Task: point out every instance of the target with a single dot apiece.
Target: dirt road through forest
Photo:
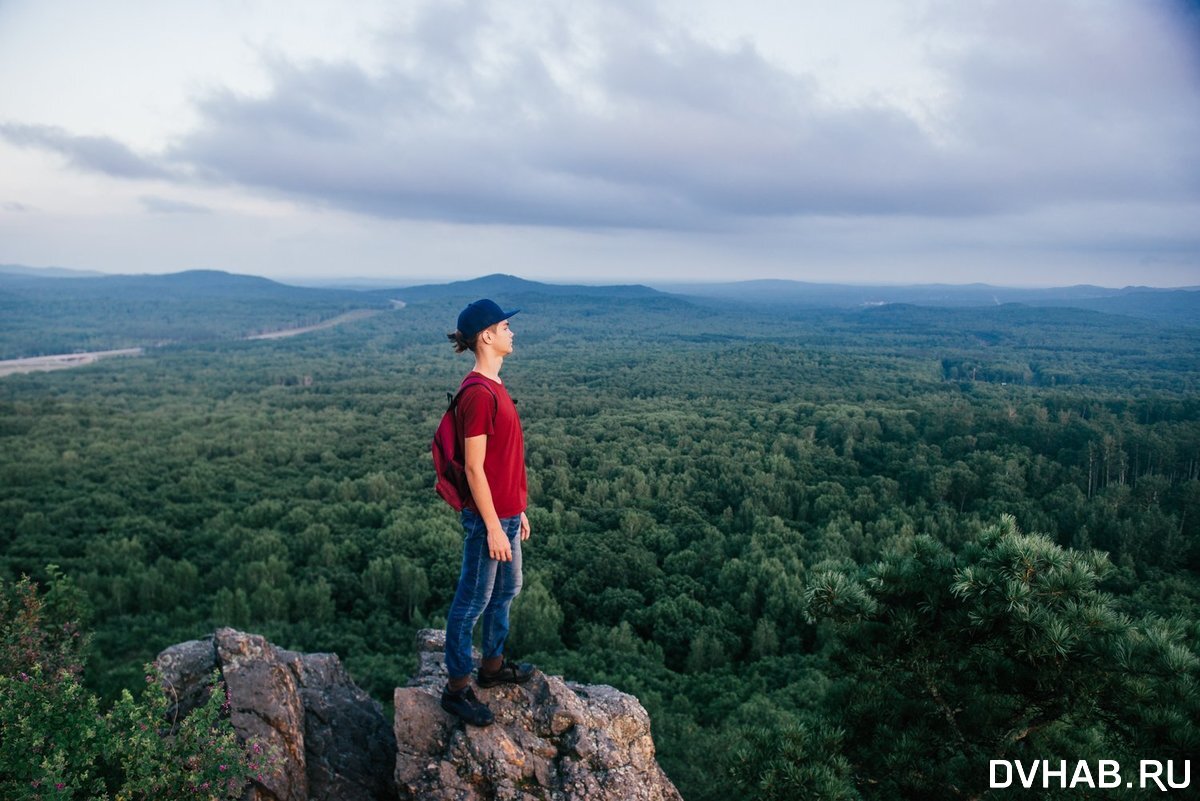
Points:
(62, 361)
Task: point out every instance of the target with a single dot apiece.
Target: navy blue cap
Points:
(479, 315)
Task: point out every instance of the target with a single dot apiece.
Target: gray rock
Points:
(331, 740)
(349, 747)
(552, 740)
(265, 707)
(186, 669)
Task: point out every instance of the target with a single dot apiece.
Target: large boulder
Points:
(552, 740)
(331, 741)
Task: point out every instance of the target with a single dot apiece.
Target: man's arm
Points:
(481, 492)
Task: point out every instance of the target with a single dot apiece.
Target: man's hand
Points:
(524, 527)
(498, 547)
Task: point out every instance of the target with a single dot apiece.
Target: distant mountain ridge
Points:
(219, 280)
(1175, 306)
(165, 285)
(778, 289)
(787, 291)
(499, 283)
(1180, 306)
(47, 272)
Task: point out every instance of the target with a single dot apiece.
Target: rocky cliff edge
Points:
(552, 740)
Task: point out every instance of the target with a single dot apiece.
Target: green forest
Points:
(836, 553)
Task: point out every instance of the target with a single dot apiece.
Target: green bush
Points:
(55, 743)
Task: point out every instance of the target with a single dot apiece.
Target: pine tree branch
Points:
(924, 671)
(1039, 720)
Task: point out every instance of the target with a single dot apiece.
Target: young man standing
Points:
(493, 518)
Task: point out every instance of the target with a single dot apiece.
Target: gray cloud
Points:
(734, 135)
(689, 135)
(163, 205)
(1057, 102)
(16, 207)
(619, 119)
(93, 153)
(1053, 103)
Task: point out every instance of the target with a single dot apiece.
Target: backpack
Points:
(448, 462)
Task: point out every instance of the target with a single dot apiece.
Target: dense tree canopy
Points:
(888, 544)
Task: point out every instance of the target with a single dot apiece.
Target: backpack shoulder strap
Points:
(471, 381)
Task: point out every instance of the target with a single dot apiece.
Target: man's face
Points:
(501, 336)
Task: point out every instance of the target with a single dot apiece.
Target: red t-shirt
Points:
(504, 462)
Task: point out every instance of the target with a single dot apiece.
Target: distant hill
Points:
(1180, 306)
(558, 312)
(185, 285)
(42, 315)
(499, 284)
(46, 272)
(1174, 306)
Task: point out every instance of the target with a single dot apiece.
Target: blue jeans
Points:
(485, 587)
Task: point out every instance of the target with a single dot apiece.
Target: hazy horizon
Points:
(381, 282)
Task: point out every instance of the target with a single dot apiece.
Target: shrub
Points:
(55, 743)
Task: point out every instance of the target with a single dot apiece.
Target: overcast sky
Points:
(1015, 142)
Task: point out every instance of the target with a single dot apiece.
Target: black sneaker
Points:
(466, 707)
(509, 673)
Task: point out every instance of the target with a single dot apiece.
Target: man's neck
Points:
(489, 364)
